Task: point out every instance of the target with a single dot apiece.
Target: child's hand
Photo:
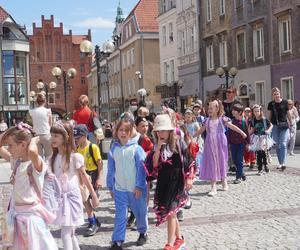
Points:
(95, 200)
(244, 135)
(99, 183)
(137, 193)
(32, 147)
(188, 184)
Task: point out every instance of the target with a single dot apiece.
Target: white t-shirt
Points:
(40, 120)
(76, 162)
(23, 192)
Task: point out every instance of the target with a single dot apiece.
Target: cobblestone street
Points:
(261, 213)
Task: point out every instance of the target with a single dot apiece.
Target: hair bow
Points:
(25, 127)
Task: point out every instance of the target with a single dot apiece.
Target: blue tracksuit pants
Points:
(123, 201)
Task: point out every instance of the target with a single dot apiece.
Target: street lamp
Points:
(224, 72)
(107, 48)
(45, 87)
(66, 74)
(32, 98)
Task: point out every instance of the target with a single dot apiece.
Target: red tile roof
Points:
(146, 12)
(3, 14)
(77, 39)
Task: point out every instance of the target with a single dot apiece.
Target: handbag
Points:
(96, 126)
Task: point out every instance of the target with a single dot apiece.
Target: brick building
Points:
(50, 47)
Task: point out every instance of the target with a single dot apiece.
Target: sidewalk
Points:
(261, 213)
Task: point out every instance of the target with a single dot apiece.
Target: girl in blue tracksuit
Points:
(126, 180)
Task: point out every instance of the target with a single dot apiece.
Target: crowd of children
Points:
(171, 150)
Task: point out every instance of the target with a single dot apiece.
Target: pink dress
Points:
(70, 210)
(215, 153)
(27, 216)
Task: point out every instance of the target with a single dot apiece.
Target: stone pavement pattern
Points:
(261, 213)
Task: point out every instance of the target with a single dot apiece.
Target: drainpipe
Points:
(142, 61)
(1, 72)
(201, 83)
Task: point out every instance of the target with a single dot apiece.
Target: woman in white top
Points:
(292, 126)
(41, 121)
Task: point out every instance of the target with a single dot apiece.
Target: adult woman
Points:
(84, 115)
(279, 116)
(293, 126)
(42, 121)
(230, 101)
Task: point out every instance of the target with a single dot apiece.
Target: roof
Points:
(146, 12)
(77, 39)
(3, 14)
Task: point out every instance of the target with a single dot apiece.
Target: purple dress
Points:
(215, 154)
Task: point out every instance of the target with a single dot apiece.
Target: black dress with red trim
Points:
(170, 194)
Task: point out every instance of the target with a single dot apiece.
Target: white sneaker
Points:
(212, 193)
(279, 166)
(291, 154)
(260, 173)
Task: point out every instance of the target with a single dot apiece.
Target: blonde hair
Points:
(219, 106)
(17, 134)
(256, 106)
(83, 100)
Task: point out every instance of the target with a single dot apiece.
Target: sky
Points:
(77, 15)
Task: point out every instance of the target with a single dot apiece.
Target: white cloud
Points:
(95, 22)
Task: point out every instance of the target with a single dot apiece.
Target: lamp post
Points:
(45, 87)
(225, 73)
(32, 98)
(66, 75)
(107, 48)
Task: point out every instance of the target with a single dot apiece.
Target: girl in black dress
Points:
(173, 166)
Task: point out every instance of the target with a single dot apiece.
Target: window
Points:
(209, 57)
(8, 61)
(127, 31)
(171, 38)
(239, 4)
(20, 64)
(132, 56)
(51, 98)
(208, 10)
(128, 59)
(164, 5)
(82, 68)
(241, 48)
(223, 52)
(172, 71)
(183, 44)
(192, 42)
(258, 44)
(222, 7)
(130, 31)
(285, 36)
(129, 87)
(287, 88)
(260, 93)
(124, 61)
(166, 68)
(164, 35)
(82, 80)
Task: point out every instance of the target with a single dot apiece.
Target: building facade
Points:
(285, 47)
(168, 87)
(49, 48)
(14, 69)
(135, 62)
(189, 71)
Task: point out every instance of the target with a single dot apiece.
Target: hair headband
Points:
(24, 127)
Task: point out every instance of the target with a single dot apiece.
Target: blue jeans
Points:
(280, 136)
(237, 153)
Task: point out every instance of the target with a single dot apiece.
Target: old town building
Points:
(50, 47)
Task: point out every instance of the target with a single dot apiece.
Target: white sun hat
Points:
(162, 122)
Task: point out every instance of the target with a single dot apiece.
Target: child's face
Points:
(256, 112)
(163, 135)
(17, 150)
(247, 113)
(80, 141)
(196, 110)
(188, 117)
(236, 114)
(143, 127)
(57, 140)
(124, 134)
(213, 109)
